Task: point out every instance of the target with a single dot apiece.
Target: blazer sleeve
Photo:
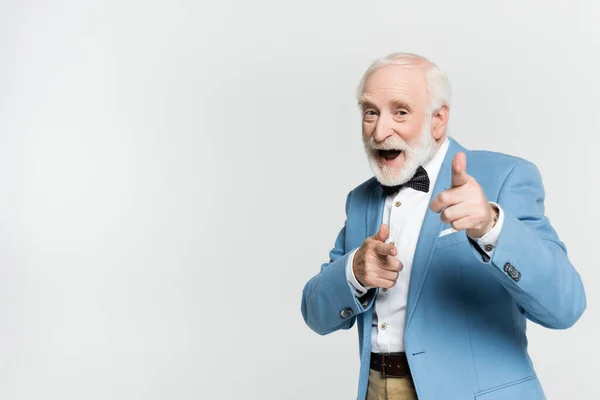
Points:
(530, 260)
(328, 302)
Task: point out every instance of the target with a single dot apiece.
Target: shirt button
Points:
(489, 247)
(398, 204)
(383, 326)
(384, 289)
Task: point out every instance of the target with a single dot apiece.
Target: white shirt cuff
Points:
(357, 288)
(488, 241)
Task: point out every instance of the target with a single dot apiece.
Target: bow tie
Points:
(419, 181)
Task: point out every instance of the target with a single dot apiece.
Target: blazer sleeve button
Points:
(346, 312)
(515, 275)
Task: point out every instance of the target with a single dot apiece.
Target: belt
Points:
(390, 364)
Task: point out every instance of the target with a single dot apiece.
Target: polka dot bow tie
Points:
(419, 181)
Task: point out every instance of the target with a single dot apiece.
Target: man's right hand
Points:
(375, 264)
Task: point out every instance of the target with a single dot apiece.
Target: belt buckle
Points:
(383, 366)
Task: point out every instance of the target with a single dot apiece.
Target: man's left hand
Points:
(466, 207)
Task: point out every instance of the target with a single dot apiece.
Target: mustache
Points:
(392, 143)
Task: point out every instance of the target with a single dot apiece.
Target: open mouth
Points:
(389, 155)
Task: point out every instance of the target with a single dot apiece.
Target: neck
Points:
(439, 141)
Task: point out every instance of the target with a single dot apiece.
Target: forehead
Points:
(397, 82)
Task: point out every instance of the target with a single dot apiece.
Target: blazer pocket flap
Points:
(528, 388)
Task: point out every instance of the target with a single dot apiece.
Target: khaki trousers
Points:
(384, 388)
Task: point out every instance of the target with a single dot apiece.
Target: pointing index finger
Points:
(385, 249)
(459, 169)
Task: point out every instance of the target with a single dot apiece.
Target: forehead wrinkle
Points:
(398, 98)
(387, 88)
(395, 90)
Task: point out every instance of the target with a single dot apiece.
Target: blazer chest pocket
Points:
(448, 237)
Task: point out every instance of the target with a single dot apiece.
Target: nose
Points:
(383, 129)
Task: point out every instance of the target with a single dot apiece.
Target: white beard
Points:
(413, 157)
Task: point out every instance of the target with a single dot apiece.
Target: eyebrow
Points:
(364, 102)
(401, 104)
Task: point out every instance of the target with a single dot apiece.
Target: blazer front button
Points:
(346, 312)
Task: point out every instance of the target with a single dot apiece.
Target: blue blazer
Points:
(466, 316)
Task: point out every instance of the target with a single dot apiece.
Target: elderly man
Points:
(444, 254)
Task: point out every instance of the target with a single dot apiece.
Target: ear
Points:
(439, 122)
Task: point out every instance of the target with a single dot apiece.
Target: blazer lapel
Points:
(430, 231)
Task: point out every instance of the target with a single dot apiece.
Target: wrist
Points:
(495, 216)
(356, 263)
(494, 213)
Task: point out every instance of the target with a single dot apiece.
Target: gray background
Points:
(173, 172)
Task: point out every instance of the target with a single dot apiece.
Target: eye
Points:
(369, 114)
(401, 112)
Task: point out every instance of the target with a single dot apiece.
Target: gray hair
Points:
(439, 90)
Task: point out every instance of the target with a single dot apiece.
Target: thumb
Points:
(383, 234)
(459, 169)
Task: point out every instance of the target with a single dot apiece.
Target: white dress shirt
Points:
(404, 213)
